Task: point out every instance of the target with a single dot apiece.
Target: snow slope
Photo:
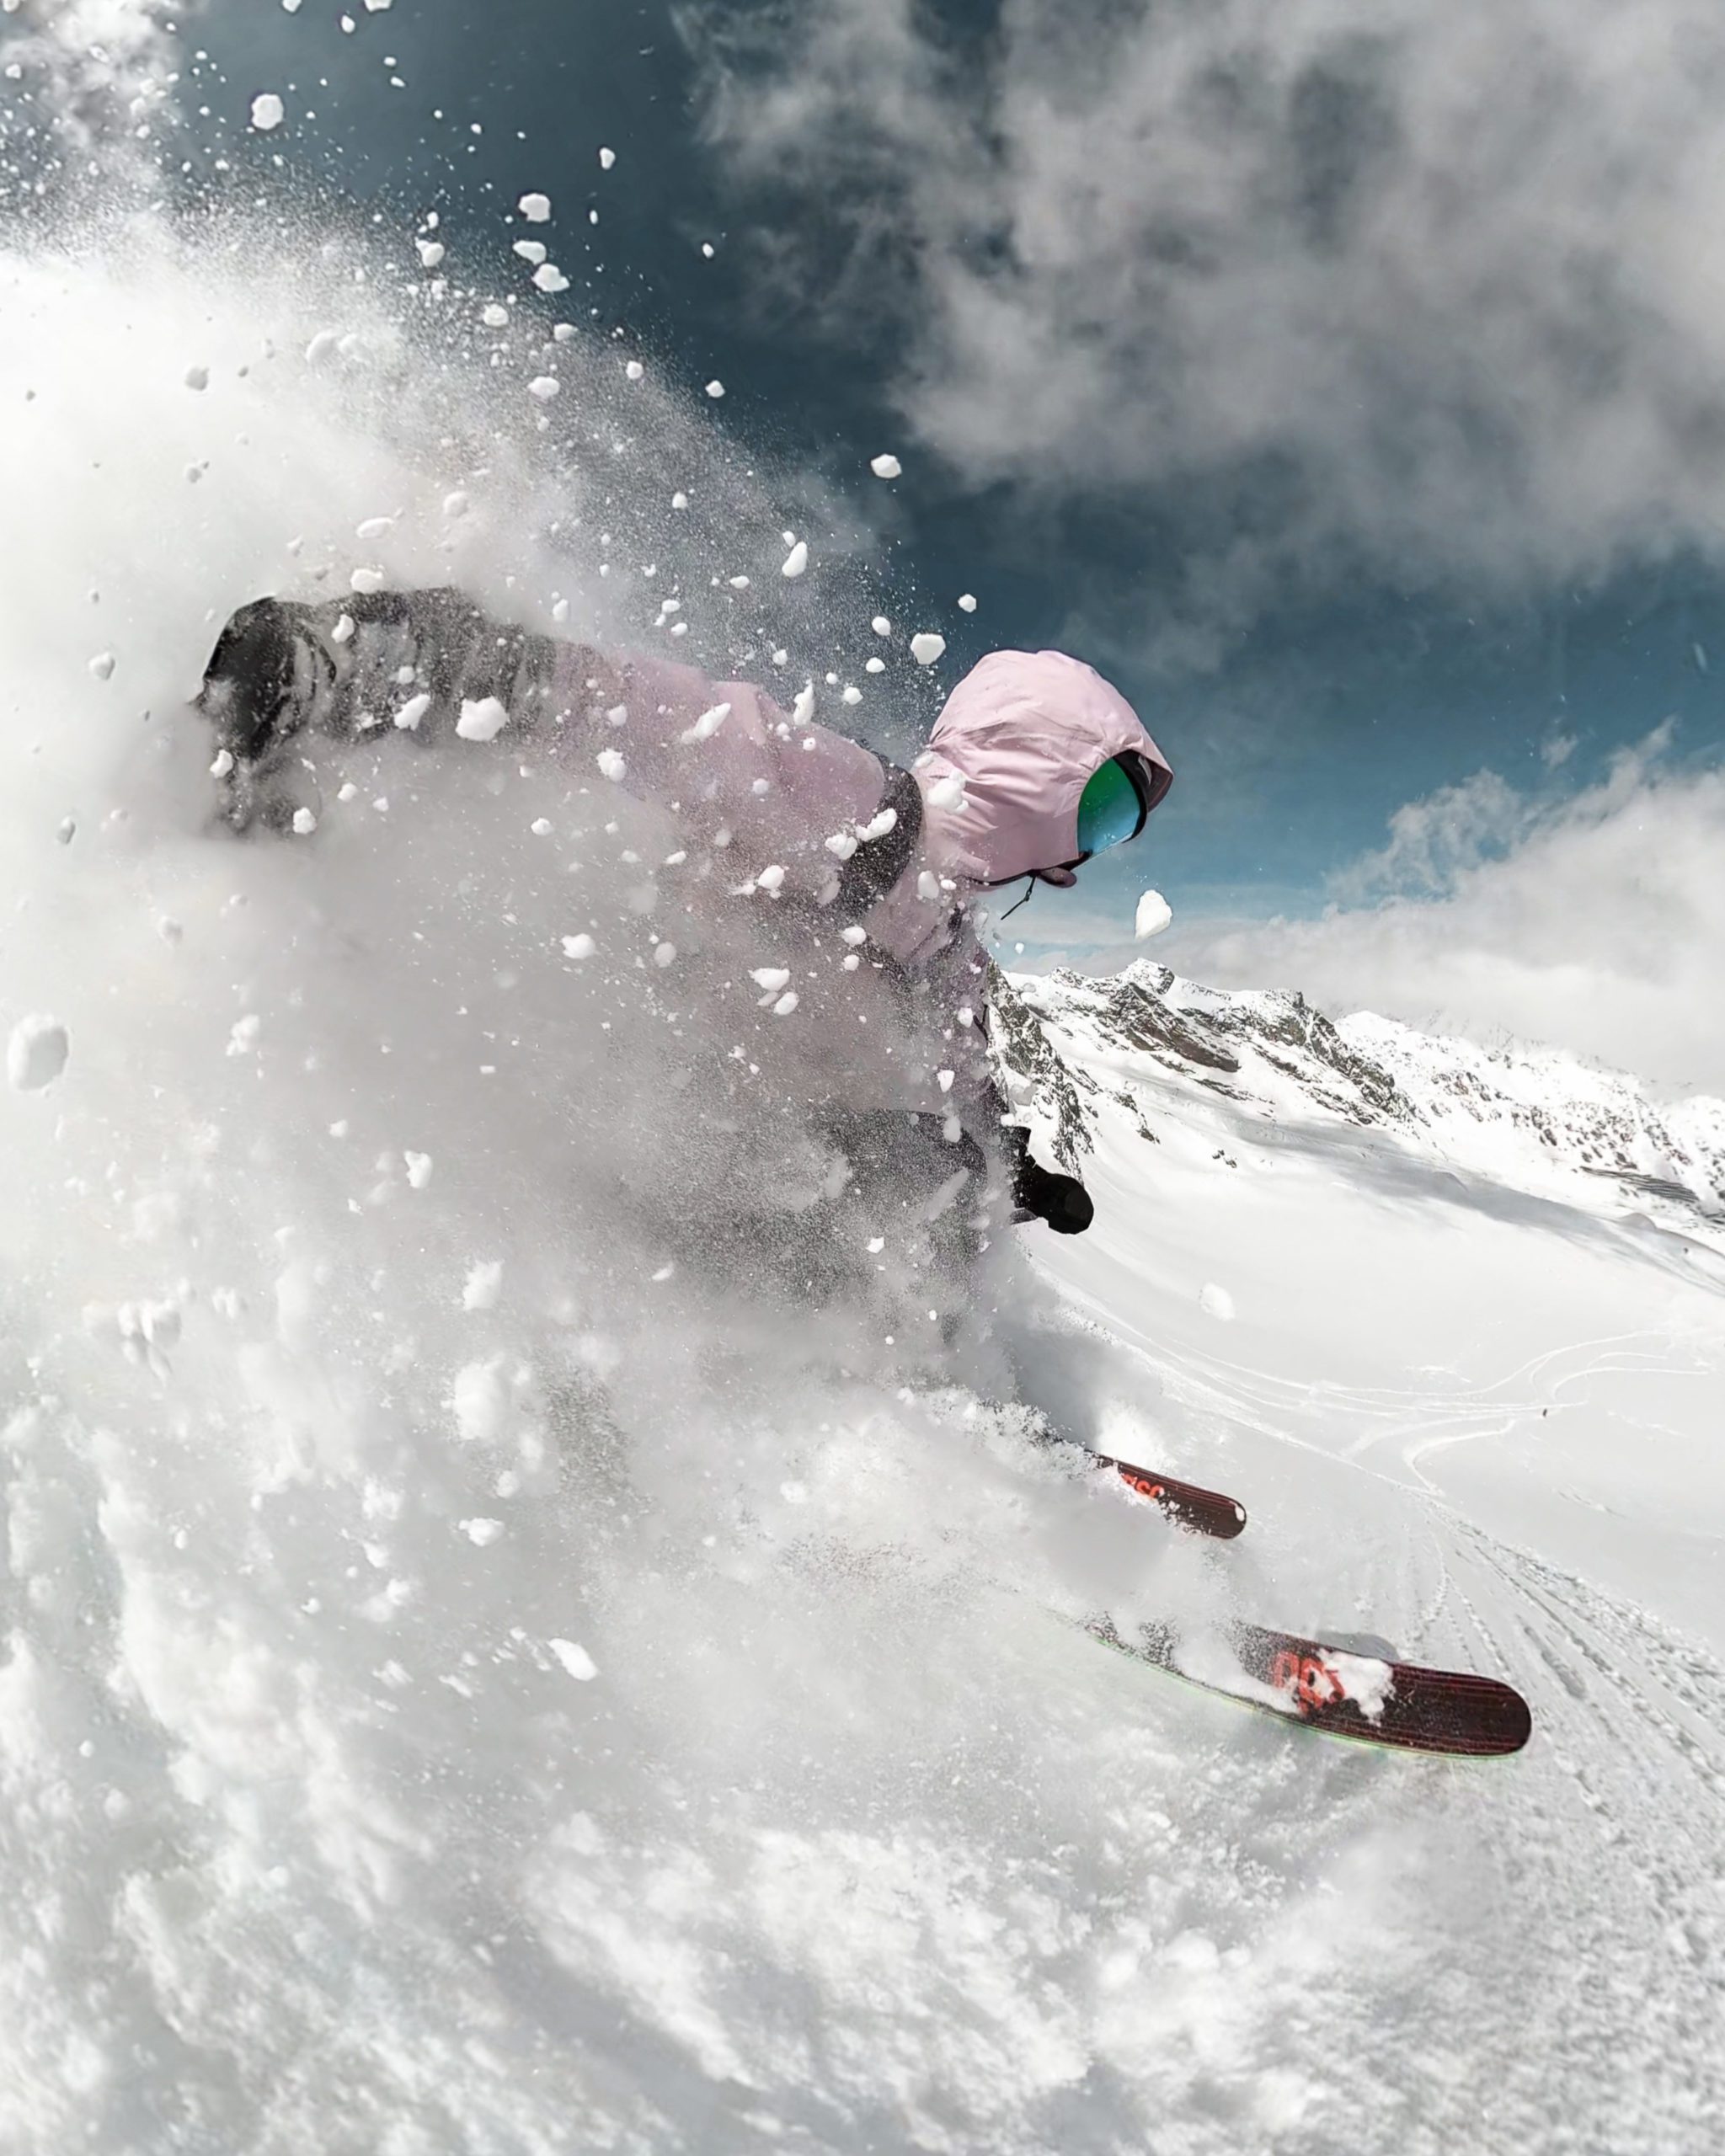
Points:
(1477, 1412)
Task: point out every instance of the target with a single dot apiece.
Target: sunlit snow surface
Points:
(484, 1670)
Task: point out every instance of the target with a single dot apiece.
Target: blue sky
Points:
(1339, 379)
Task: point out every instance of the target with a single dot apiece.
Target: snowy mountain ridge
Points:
(1523, 1116)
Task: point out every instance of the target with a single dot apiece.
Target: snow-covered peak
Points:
(1520, 1115)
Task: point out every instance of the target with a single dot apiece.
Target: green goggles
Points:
(1113, 806)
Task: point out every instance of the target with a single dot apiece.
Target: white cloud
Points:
(1436, 290)
(1596, 923)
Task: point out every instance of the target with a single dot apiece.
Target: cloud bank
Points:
(1433, 294)
(1595, 923)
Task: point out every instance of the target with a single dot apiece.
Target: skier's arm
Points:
(960, 975)
(738, 772)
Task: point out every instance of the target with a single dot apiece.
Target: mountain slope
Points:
(1470, 1390)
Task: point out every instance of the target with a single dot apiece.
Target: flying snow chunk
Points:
(483, 720)
(197, 377)
(715, 388)
(946, 792)
(268, 111)
(1215, 1301)
(495, 316)
(482, 1533)
(431, 252)
(664, 955)
(786, 1004)
(771, 877)
(881, 626)
(707, 724)
(579, 1664)
(926, 648)
(367, 581)
(418, 1167)
(484, 1285)
(886, 466)
(876, 827)
(374, 527)
(578, 947)
(796, 561)
(531, 250)
(36, 1050)
(610, 766)
(772, 978)
(550, 279)
(967, 602)
(607, 158)
(480, 1402)
(411, 711)
(535, 208)
(103, 665)
(545, 386)
(1153, 916)
(634, 370)
(304, 822)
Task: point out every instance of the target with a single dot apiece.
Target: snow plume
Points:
(482, 1642)
(1433, 291)
(1594, 921)
(95, 79)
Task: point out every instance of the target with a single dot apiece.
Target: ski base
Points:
(1318, 1686)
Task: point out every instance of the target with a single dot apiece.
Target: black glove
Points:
(1060, 1200)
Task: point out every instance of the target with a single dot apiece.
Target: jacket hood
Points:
(1025, 731)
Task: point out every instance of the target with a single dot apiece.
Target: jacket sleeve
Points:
(787, 799)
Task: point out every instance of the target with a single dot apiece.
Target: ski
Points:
(1205, 1512)
(1327, 1688)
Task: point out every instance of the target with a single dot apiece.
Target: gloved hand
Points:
(1041, 1193)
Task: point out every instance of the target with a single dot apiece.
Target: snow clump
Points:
(483, 720)
(1153, 916)
(35, 1053)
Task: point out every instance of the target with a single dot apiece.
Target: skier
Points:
(1035, 766)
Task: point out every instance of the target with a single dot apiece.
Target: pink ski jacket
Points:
(993, 797)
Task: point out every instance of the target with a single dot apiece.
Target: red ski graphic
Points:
(1206, 1511)
(1331, 1688)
